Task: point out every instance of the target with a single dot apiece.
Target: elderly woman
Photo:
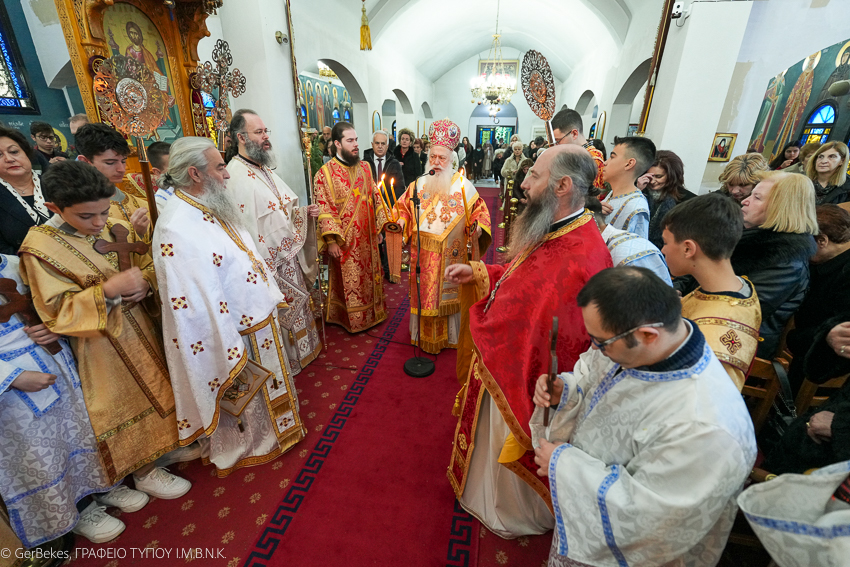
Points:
(820, 343)
(774, 250)
(741, 175)
(21, 202)
(828, 171)
(513, 161)
(664, 187)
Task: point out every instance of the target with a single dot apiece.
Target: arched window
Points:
(394, 130)
(348, 116)
(16, 97)
(336, 115)
(819, 124)
(304, 115)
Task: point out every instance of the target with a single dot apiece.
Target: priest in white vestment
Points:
(220, 308)
(803, 520)
(283, 233)
(649, 441)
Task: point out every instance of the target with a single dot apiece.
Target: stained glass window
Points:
(348, 116)
(336, 115)
(819, 125)
(16, 96)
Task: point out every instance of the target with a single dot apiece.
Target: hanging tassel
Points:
(365, 33)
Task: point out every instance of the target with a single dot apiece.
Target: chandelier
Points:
(325, 71)
(494, 86)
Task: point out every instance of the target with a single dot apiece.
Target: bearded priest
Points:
(220, 308)
(454, 228)
(350, 223)
(556, 248)
(283, 232)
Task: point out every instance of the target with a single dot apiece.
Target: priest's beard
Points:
(440, 182)
(533, 224)
(260, 155)
(220, 202)
(348, 157)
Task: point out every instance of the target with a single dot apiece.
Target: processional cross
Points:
(19, 304)
(217, 75)
(121, 247)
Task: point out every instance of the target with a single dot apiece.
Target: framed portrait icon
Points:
(721, 148)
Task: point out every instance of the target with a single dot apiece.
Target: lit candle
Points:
(463, 193)
(382, 189)
(392, 190)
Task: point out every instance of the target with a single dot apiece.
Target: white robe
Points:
(653, 464)
(629, 249)
(48, 451)
(286, 238)
(631, 213)
(220, 305)
(798, 521)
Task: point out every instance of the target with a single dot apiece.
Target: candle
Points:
(382, 189)
(392, 189)
(463, 193)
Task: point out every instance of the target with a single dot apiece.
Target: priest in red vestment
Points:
(350, 223)
(556, 248)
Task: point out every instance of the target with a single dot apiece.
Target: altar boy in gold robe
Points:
(453, 220)
(104, 312)
(699, 238)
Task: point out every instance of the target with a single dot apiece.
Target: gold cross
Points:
(357, 191)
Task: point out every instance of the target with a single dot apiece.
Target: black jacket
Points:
(15, 222)
(392, 169)
(777, 263)
(835, 194)
(411, 166)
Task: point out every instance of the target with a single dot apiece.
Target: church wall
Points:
(806, 27)
(49, 40)
(52, 105)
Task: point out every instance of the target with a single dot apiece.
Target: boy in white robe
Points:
(626, 207)
(48, 459)
(649, 441)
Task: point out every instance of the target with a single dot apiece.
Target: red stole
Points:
(510, 340)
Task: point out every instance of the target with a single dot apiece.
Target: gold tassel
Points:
(365, 33)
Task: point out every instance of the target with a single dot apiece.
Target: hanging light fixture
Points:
(494, 86)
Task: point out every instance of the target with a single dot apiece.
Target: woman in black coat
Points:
(775, 248)
(411, 165)
(664, 188)
(21, 202)
(828, 171)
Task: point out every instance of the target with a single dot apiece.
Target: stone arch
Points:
(359, 108)
(426, 110)
(621, 111)
(406, 107)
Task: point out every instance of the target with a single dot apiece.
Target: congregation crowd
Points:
(633, 446)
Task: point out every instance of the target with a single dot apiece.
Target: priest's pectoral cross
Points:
(121, 247)
(18, 304)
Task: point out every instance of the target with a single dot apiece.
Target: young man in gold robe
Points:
(105, 313)
(453, 223)
(350, 223)
(699, 238)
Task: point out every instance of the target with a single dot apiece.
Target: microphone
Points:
(415, 197)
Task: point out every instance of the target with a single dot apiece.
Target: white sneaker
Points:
(181, 455)
(97, 526)
(123, 498)
(162, 484)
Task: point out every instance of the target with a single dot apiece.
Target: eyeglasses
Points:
(45, 138)
(435, 158)
(267, 132)
(602, 344)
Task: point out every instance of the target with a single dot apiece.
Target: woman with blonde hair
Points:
(828, 171)
(778, 239)
(741, 175)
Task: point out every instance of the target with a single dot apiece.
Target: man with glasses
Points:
(446, 233)
(45, 146)
(567, 128)
(283, 232)
(556, 248)
(649, 442)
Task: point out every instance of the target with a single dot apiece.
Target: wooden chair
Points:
(813, 395)
(762, 384)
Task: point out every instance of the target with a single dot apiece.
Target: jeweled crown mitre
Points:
(444, 133)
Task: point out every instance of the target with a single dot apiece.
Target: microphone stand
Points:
(418, 366)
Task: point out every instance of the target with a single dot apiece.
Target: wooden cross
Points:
(21, 305)
(121, 247)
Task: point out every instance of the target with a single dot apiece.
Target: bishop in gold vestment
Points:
(352, 217)
(122, 369)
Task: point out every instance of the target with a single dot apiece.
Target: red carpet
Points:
(366, 487)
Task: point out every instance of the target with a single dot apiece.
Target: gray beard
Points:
(533, 224)
(258, 155)
(220, 202)
(440, 182)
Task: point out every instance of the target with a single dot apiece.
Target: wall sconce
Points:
(281, 37)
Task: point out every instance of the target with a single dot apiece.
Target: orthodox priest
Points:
(283, 233)
(454, 227)
(350, 223)
(220, 320)
(557, 249)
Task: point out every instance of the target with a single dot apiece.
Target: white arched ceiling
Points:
(564, 31)
(426, 110)
(406, 107)
(355, 91)
(633, 84)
